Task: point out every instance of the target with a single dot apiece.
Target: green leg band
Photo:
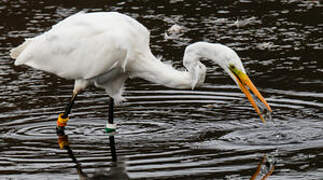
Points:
(110, 128)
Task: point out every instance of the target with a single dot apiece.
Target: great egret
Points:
(105, 48)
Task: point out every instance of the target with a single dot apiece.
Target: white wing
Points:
(85, 45)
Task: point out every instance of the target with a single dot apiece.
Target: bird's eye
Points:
(232, 66)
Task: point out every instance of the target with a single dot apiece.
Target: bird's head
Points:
(229, 60)
(231, 63)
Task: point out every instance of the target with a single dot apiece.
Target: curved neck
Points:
(212, 51)
(193, 54)
(151, 69)
(218, 53)
(148, 67)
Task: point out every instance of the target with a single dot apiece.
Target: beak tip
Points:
(244, 83)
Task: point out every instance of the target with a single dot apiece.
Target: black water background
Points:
(210, 133)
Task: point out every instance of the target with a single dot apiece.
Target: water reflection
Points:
(264, 169)
(117, 171)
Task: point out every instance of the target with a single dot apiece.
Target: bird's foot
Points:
(61, 123)
(111, 128)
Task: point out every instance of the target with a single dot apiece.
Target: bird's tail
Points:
(15, 52)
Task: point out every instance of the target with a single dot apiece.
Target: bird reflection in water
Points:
(264, 169)
(117, 171)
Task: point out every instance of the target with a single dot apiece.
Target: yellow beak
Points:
(245, 83)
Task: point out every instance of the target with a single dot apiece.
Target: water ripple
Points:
(211, 132)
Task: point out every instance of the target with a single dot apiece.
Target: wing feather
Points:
(84, 45)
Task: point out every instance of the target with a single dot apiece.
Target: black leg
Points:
(111, 138)
(110, 126)
(60, 128)
(69, 106)
(111, 106)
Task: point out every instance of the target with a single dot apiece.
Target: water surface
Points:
(209, 133)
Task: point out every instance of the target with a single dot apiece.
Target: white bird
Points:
(106, 48)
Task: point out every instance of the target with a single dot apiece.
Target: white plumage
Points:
(105, 48)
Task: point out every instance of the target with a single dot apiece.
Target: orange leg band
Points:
(62, 121)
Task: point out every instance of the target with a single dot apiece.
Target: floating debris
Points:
(175, 29)
(174, 32)
(241, 23)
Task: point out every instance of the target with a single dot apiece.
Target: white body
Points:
(106, 48)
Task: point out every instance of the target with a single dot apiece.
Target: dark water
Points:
(209, 133)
